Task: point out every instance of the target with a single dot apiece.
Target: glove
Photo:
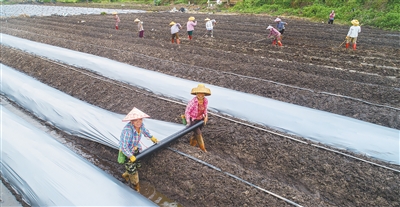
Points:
(155, 141)
(132, 159)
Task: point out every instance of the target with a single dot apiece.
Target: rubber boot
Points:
(347, 45)
(178, 41)
(172, 40)
(190, 37)
(279, 43)
(193, 141)
(125, 175)
(274, 42)
(354, 46)
(116, 27)
(201, 142)
(137, 187)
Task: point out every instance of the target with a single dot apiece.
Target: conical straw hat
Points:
(135, 114)
(355, 22)
(207, 19)
(191, 18)
(172, 23)
(201, 89)
(136, 20)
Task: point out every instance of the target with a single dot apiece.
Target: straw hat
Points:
(114, 13)
(277, 20)
(191, 18)
(269, 27)
(207, 19)
(201, 89)
(355, 22)
(136, 20)
(135, 114)
(172, 23)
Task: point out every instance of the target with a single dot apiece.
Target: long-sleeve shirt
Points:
(210, 24)
(175, 28)
(353, 31)
(274, 32)
(281, 25)
(192, 109)
(190, 25)
(130, 138)
(117, 20)
(332, 15)
(140, 26)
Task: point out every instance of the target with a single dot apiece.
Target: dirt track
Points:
(310, 63)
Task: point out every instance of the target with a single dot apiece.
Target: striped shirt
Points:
(130, 138)
(192, 109)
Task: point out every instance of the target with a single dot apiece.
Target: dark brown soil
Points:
(310, 70)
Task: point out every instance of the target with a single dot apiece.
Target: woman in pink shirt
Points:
(117, 20)
(331, 17)
(190, 27)
(196, 110)
(275, 34)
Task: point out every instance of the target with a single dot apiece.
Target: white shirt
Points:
(175, 28)
(209, 24)
(353, 31)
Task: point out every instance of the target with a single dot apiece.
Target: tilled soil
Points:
(310, 70)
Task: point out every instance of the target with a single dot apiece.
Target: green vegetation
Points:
(384, 14)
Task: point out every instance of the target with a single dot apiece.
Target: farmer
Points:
(353, 34)
(130, 144)
(140, 27)
(190, 26)
(175, 27)
(117, 20)
(331, 17)
(280, 25)
(275, 34)
(210, 26)
(196, 110)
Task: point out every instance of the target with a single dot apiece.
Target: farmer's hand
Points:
(188, 123)
(347, 37)
(132, 159)
(205, 120)
(155, 141)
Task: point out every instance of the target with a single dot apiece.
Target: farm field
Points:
(310, 70)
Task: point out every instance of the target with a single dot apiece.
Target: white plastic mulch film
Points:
(331, 129)
(47, 173)
(73, 115)
(40, 10)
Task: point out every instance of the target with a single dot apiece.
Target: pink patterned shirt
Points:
(192, 109)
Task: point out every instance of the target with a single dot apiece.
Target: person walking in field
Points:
(130, 144)
(196, 110)
(353, 34)
(275, 34)
(280, 25)
(190, 27)
(117, 20)
(210, 26)
(331, 17)
(175, 27)
(140, 27)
